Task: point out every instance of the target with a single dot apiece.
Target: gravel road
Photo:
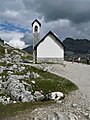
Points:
(77, 73)
(75, 106)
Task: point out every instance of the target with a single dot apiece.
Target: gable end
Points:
(46, 36)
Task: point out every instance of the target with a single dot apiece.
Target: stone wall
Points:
(50, 60)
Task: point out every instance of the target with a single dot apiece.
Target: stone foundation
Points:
(50, 60)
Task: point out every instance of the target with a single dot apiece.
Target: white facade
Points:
(50, 48)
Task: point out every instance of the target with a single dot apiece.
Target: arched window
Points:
(36, 29)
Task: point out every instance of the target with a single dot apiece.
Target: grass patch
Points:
(28, 57)
(17, 108)
(48, 82)
(2, 50)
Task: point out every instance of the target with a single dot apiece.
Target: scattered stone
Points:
(1, 70)
(0, 77)
(17, 90)
(14, 66)
(0, 86)
(10, 72)
(89, 116)
(34, 75)
(14, 102)
(72, 116)
(74, 105)
(17, 76)
(4, 100)
(27, 97)
(59, 101)
(22, 68)
(28, 87)
(38, 96)
(56, 95)
(33, 81)
(56, 116)
(85, 114)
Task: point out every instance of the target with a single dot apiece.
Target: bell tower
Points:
(36, 25)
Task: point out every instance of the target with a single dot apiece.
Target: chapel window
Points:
(36, 29)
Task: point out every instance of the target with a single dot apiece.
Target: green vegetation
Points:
(2, 50)
(17, 108)
(47, 82)
(28, 57)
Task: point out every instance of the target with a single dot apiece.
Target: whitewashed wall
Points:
(49, 48)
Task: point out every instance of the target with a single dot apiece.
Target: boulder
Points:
(33, 82)
(17, 90)
(56, 116)
(56, 95)
(14, 66)
(5, 100)
(10, 72)
(34, 75)
(28, 87)
(72, 116)
(1, 70)
(21, 68)
(38, 96)
(0, 86)
(27, 97)
(17, 76)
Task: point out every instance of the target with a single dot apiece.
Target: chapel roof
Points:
(50, 32)
(37, 22)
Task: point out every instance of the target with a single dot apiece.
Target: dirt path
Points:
(77, 73)
(75, 106)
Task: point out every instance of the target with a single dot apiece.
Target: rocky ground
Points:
(74, 107)
(77, 73)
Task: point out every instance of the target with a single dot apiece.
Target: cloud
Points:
(63, 17)
(27, 38)
(13, 38)
(17, 43)
(77, 11)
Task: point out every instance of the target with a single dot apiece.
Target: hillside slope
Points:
(28, 49)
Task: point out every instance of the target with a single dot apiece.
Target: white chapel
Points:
(49, 49)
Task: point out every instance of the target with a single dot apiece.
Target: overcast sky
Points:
(66, 18)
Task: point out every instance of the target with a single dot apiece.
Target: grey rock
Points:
(56, 116)
(0, 86)
(17, 76)
(14, 66)
(17, 90)
(74, 105)
(28, 87)
(56, 95)
(22, 68)
(27, 97)
(1, 70)
(34, 75)
(4, 100)
(10, 72)
(38, 96)
(86, 114)
(0, 77)
(33, 82)
(89, 116)
(72, 117)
